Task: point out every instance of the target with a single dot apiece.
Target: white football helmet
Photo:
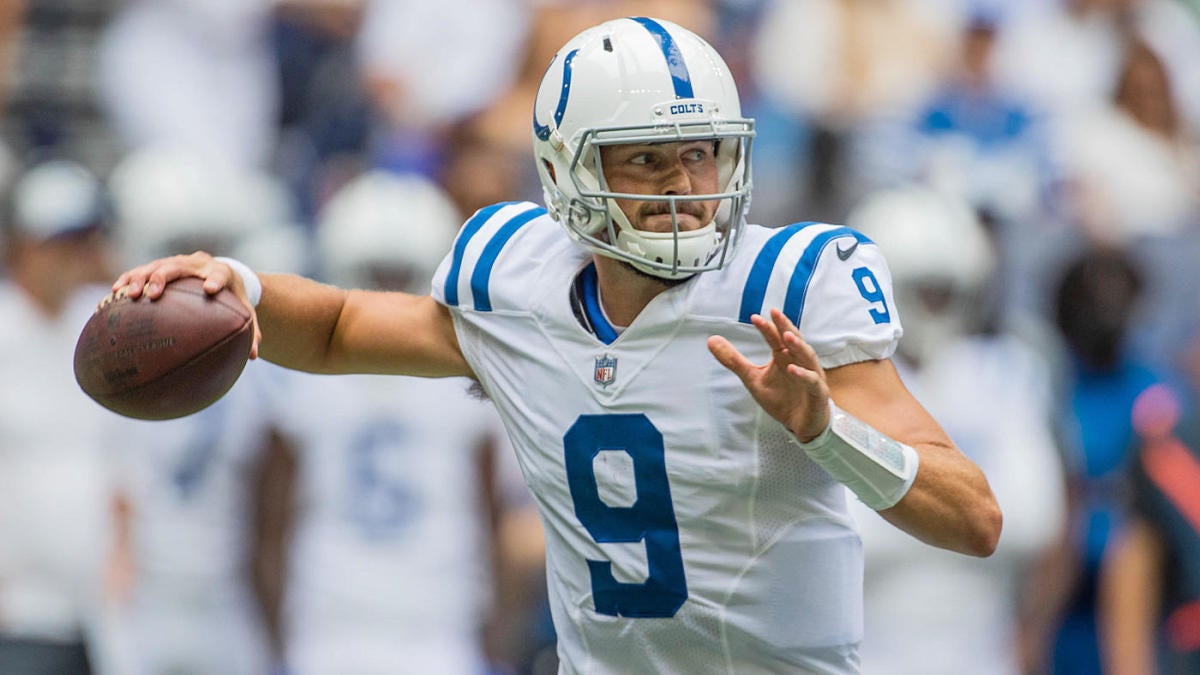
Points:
(640, 80)
(940, 257)
(171, 201)
(385, 230)
(57, 197)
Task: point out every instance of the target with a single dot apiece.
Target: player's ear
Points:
(550, 169)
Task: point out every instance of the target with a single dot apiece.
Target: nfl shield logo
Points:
(606, 369)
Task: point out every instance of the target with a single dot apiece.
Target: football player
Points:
(399, 480)
(929, 611)
(694, 506)
(55, 483)
(203, 562)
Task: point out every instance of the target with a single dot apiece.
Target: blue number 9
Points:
(651, 518)
(872, 293)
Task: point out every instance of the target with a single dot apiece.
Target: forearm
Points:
(949, 504)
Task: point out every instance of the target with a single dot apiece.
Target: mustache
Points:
(694, 209)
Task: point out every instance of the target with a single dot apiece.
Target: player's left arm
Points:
(950, 503)
(931, 491)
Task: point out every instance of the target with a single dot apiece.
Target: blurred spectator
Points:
(1096, 304)
(928, 611)
(428, 65)
(324, 110)
(504, 125)
(1081, 39)
(198, 74)
(976, 138)
(478, 171)
(404, 489)
(834, 65)
(55, 490)
(488, 152)
(47, 52)
(12, 16)
(1134, 164)
(1150, 586)
(1065, 55)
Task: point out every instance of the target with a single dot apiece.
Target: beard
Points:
(666, 283)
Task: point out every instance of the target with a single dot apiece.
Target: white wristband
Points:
(878, 469)
(250, 280)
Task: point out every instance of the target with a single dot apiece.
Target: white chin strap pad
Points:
(695, 248)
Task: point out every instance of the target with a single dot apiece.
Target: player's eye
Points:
(697, 153)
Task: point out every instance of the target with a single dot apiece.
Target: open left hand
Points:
(791, 386)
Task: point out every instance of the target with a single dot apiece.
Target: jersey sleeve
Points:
(481, 276)
(466, 277)
(834, 283)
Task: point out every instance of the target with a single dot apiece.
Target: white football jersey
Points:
(686, 532)
(389, 566)
(190, 482)
(931, 611)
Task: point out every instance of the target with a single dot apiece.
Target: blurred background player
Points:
(202, 573)
(54, 484)
(1096, 307)
(404, 488)
(930, 611)
(210, 86)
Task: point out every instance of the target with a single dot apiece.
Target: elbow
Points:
(985, 532)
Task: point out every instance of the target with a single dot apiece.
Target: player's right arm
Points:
(310, 326)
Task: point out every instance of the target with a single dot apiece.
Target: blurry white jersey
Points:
(55, 512)
(388, 570)
(686, 533)
(190, 483)
(934, 612)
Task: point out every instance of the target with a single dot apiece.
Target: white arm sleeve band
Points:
(878, 469)
(249, 279)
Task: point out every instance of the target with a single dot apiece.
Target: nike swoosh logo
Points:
(844, 254)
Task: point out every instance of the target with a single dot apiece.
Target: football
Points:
(164, 359)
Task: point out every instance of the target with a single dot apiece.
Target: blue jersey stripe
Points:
(543, 131)
(460, 247)
(591, 304)
(680, 77)
(760, 272)
(793, 302)
(483, 269)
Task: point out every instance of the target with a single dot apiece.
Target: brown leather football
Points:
(167, 358)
